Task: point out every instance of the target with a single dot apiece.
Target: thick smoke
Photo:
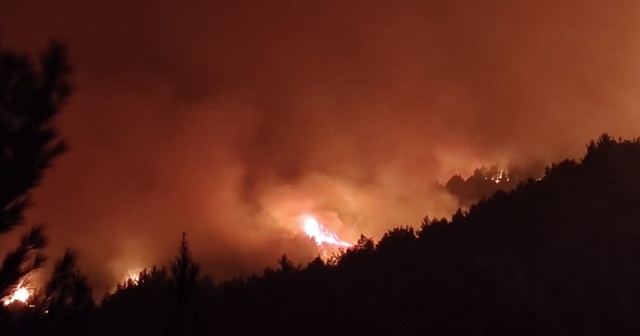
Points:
(229, 119)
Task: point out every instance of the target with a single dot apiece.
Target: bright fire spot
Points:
(319, 233)
(132, 279)
(21, 294)
(499, 177)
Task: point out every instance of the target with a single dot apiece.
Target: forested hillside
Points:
(552, 257)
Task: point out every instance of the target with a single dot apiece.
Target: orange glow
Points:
(319, 233)
(132, 279)
(21, 294)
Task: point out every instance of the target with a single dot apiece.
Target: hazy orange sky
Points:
(228, 119)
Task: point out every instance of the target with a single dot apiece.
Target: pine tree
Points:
(31, 95)
(185, 274)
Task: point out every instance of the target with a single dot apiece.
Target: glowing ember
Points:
(319, 233)
(21, 294)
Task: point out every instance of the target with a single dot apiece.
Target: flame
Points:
(319, 233)
(500, 176)
(135, 278)
(21, 294)
(131, 279)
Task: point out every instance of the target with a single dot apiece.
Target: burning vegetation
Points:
(20, 295)
(320, 234)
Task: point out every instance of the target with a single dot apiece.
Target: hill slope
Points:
(557, 256)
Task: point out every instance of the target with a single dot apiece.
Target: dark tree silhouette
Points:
(67, 288)
(31, 95)
(62, 308)
(135, 309)
(184, 273)
(184, 282)
(22, 260)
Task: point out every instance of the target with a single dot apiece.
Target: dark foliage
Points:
(157, 303)
(22, 260)
(31, 95)
(185, 274)
(136, 309)
(30, 98)
(62, 307)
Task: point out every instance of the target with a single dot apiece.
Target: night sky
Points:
(229, 119)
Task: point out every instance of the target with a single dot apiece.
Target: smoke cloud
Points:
(229, 119)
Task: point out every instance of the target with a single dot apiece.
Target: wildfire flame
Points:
(135, 278)
(319, 233)
(21, 294)
(131, 279)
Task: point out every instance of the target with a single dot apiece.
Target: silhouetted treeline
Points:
(557, 256)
